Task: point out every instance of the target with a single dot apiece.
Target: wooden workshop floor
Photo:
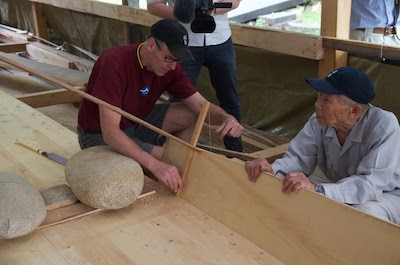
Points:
(16, 83)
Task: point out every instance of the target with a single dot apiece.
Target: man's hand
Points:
(230, 127)
(294, 181)
(255, 167)
(169, 175)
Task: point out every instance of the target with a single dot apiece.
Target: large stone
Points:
(102, 178)
(22, 208)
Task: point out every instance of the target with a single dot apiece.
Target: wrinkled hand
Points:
(294, 181)
(255, 167)
(169, 175)
(230, 127)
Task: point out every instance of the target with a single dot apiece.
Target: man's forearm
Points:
(217, 115)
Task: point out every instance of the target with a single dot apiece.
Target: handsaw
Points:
(52, 156)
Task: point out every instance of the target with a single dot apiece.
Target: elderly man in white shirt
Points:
(355, 144)
(215, 51)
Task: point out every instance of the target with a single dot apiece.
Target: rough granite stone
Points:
(22, 208)
(102, 178)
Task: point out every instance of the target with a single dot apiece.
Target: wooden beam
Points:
(304, 228)
(7, 35)
(39, 20)
(69, 76)
(80, 64)
(13, 47)
(48, 57)
(335, 21)
(362, 48)
(194, 140)
(228, 153)
(296, 44)
(271, 154)
(49, 98)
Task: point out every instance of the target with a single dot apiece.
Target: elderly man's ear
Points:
(356, 111)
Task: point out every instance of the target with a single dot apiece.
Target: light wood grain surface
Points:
(304, 228)
(168, 230)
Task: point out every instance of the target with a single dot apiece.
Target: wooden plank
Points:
(58, 196)
(362, 48)
(80, 64)
(228, 153)
(21, 121)
(39, 20)
(13, 47)
(194, 140)
(335, 21)
(7, 35)
(271, 154)
(302, 228)
(296, 44)
(250, 10)
(64, 209)
(63, 74)
(48, 57)
(167, 230)
(49, 98)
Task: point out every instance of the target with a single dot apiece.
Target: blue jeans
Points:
(220, 61)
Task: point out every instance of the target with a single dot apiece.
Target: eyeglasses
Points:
(167, 59)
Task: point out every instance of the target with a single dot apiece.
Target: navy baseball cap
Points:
(348, 81)
(175, 36)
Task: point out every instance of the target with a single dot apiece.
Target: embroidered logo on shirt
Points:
(145, 91)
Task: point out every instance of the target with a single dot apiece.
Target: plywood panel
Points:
(18, 120)
(302, 228)
(168, 230)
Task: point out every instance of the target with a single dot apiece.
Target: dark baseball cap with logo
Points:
(348, 81)
(175, 36)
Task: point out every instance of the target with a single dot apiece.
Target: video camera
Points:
(203, 22)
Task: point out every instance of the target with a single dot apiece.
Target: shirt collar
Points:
(138, 55)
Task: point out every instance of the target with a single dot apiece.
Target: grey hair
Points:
(349, 103)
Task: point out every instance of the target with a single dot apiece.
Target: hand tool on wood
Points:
(52, 156)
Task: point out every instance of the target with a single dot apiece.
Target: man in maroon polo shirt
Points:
(132, 78)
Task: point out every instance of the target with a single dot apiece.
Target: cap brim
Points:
(181, 52)
(322, 86)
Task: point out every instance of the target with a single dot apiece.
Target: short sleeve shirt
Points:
(118, 79)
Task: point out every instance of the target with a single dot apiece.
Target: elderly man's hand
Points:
(294, 181)
(230, 127)
(255, 167)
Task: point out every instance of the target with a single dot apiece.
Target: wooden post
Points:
(335, 22)
(39, 19)
(194, 140)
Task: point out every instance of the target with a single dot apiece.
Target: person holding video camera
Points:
(213, 50)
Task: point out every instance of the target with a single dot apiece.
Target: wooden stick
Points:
(87, 210)
(193, 141)
(96, 100)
